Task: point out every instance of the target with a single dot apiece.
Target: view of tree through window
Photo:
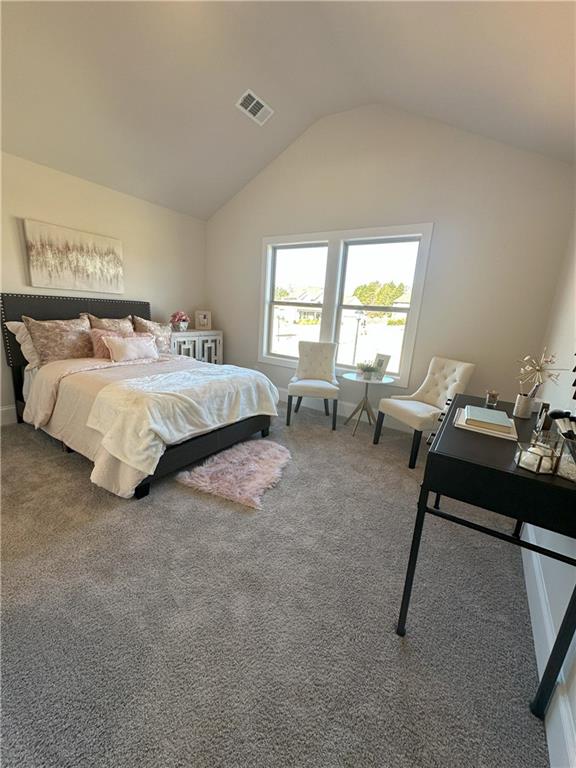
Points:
(367, 305)
(379, 275)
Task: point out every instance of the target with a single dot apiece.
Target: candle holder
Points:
(492, 398)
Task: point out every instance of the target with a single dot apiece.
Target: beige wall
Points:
(163, 250)
(501, 220)
(550, 583)
(560, 334)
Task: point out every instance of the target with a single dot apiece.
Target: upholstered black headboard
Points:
(14, 305)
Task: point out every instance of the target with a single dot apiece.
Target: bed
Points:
(84, 386)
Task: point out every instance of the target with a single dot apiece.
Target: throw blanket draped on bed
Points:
(139, 415)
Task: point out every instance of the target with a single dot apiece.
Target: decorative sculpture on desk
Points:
(533, 373)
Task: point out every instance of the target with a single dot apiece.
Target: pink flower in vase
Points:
(180, 320)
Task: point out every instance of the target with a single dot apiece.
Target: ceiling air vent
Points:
(254, 107)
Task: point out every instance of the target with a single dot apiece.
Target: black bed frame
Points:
(14, 305)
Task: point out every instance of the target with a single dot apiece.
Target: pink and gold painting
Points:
(59, 257)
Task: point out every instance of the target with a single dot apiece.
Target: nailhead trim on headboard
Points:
(83, 299)
(5, 335)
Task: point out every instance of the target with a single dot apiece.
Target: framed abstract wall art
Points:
(59, 257)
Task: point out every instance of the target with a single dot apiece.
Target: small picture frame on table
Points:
(203, 320)
(381, 363)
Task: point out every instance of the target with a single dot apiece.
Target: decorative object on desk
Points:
(533, 373)
(523, 406)
(542, 454)
(565, 423)
(567, 465)
(59, 257)
(203, 320)
(492, 398)
(543, 420)
(179, 320)
(367, 370)
(381, 363)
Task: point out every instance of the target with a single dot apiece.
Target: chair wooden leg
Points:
(326, 408)
(298, 403)
(414, 449)
(334, 412)
(378, 427)
(288, 410)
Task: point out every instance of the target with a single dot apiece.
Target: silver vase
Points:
(523, 407)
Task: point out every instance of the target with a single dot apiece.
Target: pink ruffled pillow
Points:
(100, 348)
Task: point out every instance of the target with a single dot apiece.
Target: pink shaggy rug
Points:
(241, 473)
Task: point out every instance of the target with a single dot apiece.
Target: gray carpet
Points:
(182, 630)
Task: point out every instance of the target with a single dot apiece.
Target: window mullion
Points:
(331, 290)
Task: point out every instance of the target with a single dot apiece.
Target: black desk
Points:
(480, 470)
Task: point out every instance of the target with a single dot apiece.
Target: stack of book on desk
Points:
(486, 421)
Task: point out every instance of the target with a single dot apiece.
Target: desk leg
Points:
(518, 529)
(539, 703)
(416, 536)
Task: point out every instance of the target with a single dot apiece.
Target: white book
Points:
(487, 418)
(460, 422)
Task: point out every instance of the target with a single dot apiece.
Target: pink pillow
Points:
(100, 349)
(125, 348)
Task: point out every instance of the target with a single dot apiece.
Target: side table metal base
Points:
(362, 407)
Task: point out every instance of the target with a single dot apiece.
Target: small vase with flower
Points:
(179, 320)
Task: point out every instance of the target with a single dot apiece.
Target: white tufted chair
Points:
(445, 379)
(315, 377)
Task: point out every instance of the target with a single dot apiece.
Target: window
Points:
(296, 296)
(378, 279)
(361, 289)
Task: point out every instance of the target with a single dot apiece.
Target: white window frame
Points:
(337, 242)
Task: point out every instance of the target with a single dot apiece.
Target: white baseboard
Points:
(7, 415)
(560, 723)
(344, 409)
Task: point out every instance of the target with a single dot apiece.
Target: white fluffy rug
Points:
(242, 473)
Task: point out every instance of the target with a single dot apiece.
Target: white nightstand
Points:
(201, 345)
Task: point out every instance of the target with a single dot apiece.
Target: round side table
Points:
(364, 404)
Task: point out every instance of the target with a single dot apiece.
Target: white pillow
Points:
(26, 344)
(127, 348)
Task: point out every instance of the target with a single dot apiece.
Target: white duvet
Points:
(123, 415)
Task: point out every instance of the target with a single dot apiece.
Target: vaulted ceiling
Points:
(140, 96)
